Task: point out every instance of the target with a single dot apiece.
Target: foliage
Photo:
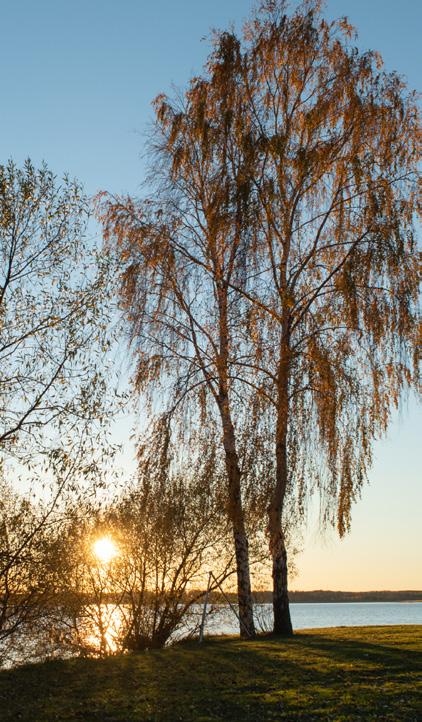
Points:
(365, 673)
(53, 319)
(329, 144)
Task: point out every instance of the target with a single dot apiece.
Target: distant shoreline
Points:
(330, 596)
(315, 596)
(321, 595)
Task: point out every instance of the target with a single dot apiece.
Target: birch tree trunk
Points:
(282, 621)
(244, 592)
(235, 506)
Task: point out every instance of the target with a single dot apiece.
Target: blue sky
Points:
(77, 79)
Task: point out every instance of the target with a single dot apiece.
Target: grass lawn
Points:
(360, 673)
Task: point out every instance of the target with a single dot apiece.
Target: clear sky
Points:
(76, 81)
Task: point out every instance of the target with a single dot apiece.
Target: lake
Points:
(221, 620)
(334, 614)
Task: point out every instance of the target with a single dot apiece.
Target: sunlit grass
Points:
(361, 673)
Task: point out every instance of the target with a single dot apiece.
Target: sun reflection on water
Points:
(102, 628)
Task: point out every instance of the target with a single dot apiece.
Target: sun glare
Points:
(104, 549)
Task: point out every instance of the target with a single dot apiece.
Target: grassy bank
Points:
(362, 673)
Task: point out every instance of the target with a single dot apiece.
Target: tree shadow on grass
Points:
(358, 651)
(309, 677)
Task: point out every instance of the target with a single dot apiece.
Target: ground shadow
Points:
(305, 678)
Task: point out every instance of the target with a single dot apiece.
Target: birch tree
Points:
(181, 255)
(279, 247)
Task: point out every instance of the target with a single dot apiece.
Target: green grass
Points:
(361, 673)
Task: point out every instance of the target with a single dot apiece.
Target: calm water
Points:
(304, 616)
(222, 620)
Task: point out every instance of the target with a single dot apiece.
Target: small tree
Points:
(170, 536)
(168, 530)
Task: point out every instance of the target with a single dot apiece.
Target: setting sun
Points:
(104, 549)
